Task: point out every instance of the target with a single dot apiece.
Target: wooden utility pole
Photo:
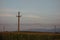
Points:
(3, 28)
(18, 21)
(55, 29)
(54, 33)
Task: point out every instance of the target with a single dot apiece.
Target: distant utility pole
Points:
(3, 28)
(18, 21)
(54, 33)
(55, 28)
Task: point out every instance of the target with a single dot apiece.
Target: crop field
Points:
(29, 36)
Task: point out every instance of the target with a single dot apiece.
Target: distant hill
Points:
(43, 30)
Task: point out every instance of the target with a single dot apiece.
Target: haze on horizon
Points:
(32, 11)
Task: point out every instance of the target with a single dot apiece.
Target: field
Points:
(29, 36)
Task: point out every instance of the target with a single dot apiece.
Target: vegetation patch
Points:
(21, 36)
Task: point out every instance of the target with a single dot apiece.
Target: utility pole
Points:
(18, 21)
(3, 28)
(54, 33)
(55, 28)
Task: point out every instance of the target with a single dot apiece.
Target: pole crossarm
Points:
(18, 14)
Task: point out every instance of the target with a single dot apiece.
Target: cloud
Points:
(12, 12)
(6, 15)
(31, 16)
(9, 10)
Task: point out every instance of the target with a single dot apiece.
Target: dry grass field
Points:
(29, 36)
(31, 33)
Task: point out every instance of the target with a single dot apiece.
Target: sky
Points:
(32, 11)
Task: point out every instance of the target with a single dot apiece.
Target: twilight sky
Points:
(32, 11)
